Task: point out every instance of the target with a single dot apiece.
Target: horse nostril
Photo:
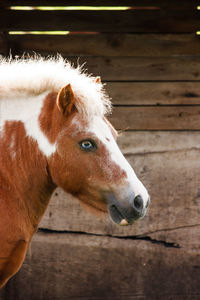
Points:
(138, 203)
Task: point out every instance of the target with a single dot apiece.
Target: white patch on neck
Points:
(27, 111)
(101, 129)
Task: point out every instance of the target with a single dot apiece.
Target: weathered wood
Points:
(149, 45)
(185, 237)
(154, 93)
(155, 142)
(80, 266)
(167, 163)
(73, 266)
(155, 21)
(143, 68)
(156, 117)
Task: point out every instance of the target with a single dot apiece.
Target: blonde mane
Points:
(34, 76)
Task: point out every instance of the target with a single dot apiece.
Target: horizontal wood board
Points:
(67, 266)
(154, 93)
(121, 44)
(155, 21)
(156, 118)
(180, 68)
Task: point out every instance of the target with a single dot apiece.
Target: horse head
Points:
(88, 162)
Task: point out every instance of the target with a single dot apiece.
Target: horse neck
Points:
(23, 164)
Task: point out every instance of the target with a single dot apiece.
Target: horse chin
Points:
(117, 217)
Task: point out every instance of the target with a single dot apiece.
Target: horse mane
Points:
(36, 75)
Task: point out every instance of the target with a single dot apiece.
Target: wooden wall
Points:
(149, 57)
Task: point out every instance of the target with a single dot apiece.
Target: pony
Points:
(54, 132)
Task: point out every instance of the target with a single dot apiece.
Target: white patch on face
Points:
(27, 111)
(103, 132)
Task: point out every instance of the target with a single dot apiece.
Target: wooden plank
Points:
(149, 45)
(167, 164)
(3, 44)
(68, 266)
(157, 142)
(140, 3)
(154, 93)
(142, 68)
(185, 237)
(102, 21)
(156, 118)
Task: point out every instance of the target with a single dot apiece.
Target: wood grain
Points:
(121, 44)
(165, 21)
(156, 117)
(125, 68)
(154, 93)
(181, 68)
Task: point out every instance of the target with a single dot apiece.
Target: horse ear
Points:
(66, 100)
(98, 79)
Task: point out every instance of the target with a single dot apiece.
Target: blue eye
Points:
(88, 145)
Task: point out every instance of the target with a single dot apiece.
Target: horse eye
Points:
(88, 145)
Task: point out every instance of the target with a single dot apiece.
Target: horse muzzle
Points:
(125, 213)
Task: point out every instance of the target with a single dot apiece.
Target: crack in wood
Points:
(170, 229)
(142, 238)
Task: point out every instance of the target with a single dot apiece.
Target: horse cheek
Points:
(64, 174)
